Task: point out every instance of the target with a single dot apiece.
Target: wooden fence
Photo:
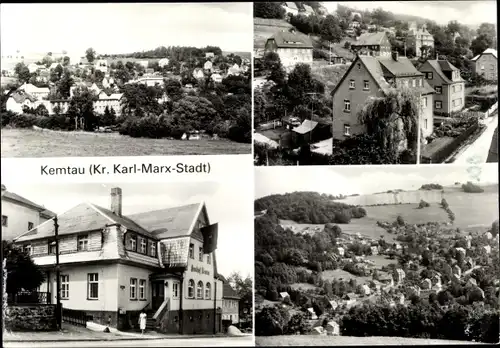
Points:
(75, 317)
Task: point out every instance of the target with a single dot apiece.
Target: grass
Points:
(303, 286)
(329, 75)
(68, 332)
(409, 212)
(35, 143)
(264, 28)
(308, 340)
(346, 276)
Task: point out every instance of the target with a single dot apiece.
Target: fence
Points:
(75, 317)
(29, 297)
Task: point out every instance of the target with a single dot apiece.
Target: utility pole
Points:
(312, 114)
(418, 128)
(58, 276)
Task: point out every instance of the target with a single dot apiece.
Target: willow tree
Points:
(392, 120)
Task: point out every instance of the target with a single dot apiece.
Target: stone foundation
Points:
(194, 322)
(40, 317)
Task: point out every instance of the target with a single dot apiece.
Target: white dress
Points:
(142, 321)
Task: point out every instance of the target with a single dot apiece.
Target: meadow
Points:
(37, 143)
(410, 213)
(340, 274)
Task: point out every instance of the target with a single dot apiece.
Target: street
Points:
(246, 341)
(477, 152)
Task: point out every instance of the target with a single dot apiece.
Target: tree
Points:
(22, 272)
(81, 109)
(22, 72)
(41, 110)
(56, 73)
(64, 84)
(330, 29)
(268, 10)
(90, 54)
(194, 113)
(244, 289)
(66, 61)
(140, 100)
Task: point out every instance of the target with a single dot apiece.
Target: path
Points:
(477, 152)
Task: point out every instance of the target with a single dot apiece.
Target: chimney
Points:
(395, 55)
(116, 201)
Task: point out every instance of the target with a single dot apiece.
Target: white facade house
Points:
(112, 101)
(163, 62)
(234, 70)
(230, 305)
(38, 92)
(208, 66)
(20, 214)
(217, 78)
(150, 81)
(114, 266)
(198, 73)
(18, 100)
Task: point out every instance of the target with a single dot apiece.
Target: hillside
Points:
(243, 55)
(264, 28)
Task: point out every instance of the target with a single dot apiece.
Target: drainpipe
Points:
(215, 307)
(181, 322)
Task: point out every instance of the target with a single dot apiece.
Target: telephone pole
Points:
(58, 277)
(312, 114)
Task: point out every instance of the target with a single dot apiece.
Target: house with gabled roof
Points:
(372, 44)
(230, 304)
(18, 100)
(20, 214)
(114, 266)
(290, 7)
(374, 77)
(292, 47)
(486, 64)
(445, 78)
(419, 39)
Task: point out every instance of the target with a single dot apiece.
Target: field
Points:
(410, 213)
(380, 260)
(303, 286)
(308, 340)
(35, 143)
(346, 276)
(265, 28)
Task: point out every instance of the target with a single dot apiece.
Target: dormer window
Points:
(52, 247)
(133, 243)
(153, 249)
(144, 245)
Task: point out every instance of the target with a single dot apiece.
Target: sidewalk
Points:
(76, 333)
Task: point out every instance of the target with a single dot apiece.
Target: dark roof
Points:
(398, 68)
(15, 197)
(440, 66)
(229, 292)
(20, 97)
(287, 39)
(370, 39)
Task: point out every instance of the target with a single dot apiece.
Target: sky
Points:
(233, 213)
(124, 28)
(366, 179)
(466, 12)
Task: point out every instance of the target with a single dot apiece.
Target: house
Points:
(292, 48)
(163, 62)
(312, 313)
(217, 78)
(448, 84)
(38, 92)
(291, 8)
(333, 304)
(349, 299)
(34, 67)
(209, 55)
(284, 295)
(230, 305)
(374, 250)
(208, 66)
(354, 25)
(332, 328)
(486, 249)
(374, 77)
(198, 73)
(90, 86)
(340, 251)
(386, 279)
(234, 70)
(364, 290)
(419, 39)
(149, 71)
(372, 44)
(150, 81)
(114, 266)
(18, 100)
(19, 214)
(53, 66)
(488, 235)
(461, 251)
(486, 64)
(112, 101)
(101, 65)
(399, 276)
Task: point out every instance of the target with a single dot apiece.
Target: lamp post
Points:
(58, 276)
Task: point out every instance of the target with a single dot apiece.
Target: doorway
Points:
(158, 294)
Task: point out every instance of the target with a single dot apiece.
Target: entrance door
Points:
(158, 294)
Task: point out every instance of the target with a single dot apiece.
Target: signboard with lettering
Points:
(200, 270)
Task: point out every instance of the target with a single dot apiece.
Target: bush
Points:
(358, 212)
(444, 204)
(271, 321)
(400, 221)
(494, 228)
(343, 217)
(149, 127)
(423, 204)
(431, 187)
(23, 120)
(472, 188)
(6, 117)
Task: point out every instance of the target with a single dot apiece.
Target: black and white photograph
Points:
(376, 255)
(135, 264)
(380, 82)
(111, 79)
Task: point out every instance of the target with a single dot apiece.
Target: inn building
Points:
(114, 266)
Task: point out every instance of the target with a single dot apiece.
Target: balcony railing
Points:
(29, 297)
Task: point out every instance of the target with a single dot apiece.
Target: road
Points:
(477, 152)
(246, 341)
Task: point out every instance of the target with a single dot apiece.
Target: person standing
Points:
(142, 321)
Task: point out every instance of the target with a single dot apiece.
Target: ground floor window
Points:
(133, 288)
(199, 290)
(207, 291)
(142, 289)
(64, 287)
(93, 286)
(191, 288)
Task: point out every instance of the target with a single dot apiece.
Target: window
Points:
(352, 84)
(191, 288)
(414, 83)
(92, 286)
(144, 245)
(366, 85)
(347, 106)
(64, 287)
(133, 243)
(200, 254)
(454, 89)
(439, 104)
(419, 82)
(199, 290)
(207, 291)
(347, 130)
(52, 247)
(175, 290)
(359, 66)
(153, 249)
(133, 288)
(428, 75)
(5, 220)
(209, 259)
(424, 102)
(142, 289)
(191, 251)
(482, 67)
(30, 225)
(425, 124)
(27, 249)
(83, 242)
(438, 89)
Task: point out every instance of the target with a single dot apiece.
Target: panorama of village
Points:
(161, 100)
(385, 257)
(336, 83)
